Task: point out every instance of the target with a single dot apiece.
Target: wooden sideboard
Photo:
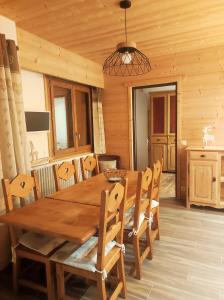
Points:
(205, 176)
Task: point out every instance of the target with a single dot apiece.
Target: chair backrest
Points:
(157, 171)
(64, 172)
(21, 186)
(143, 196)
(89, 164)
(111, 224)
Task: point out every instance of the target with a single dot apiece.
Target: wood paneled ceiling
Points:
(92, 28)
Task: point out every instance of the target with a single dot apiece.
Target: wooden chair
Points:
(89, 164)
(29, 245)
(64, 172)
(138, 221)
(156, 180)
(101, 255)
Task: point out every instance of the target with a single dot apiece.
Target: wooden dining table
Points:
(72, 213)
(89, 191)
(74, 222)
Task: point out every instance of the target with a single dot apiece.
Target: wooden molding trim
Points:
(154, 80)
(161, 80)
(39, 55)
(54, 153)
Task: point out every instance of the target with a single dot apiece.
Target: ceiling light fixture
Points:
(127, 60)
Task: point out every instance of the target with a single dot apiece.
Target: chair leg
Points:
(50, 281)
(60, 282)
(121, 273)
(137, 255)
(149, 243)
(157, 224)
(16, 271)
(101, 286)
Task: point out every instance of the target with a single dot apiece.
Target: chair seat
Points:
(130, 219)
(83, 257)
(129, 215)
(40, 243)
(154, 204)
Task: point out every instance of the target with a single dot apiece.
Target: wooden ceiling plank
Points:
(93, 28)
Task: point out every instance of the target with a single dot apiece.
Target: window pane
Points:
(63, 118)
(82, 114)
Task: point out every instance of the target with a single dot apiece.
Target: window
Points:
(71, 112)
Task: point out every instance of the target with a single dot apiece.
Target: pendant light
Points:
(127, 60)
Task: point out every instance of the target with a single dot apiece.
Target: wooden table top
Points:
(89, 191)
(72, 213)
(71, 221)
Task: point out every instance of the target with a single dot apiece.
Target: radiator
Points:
(46, 178)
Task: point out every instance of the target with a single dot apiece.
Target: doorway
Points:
(155, 131)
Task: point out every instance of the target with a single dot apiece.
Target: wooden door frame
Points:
(154, 82)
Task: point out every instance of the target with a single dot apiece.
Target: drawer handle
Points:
(202, 155)
(213, 179)
(158, 140)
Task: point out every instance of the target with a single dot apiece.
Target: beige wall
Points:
(142, 129)
(8, 28)
(34, 100)
(201, 95)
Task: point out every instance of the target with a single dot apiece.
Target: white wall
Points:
(8, 28)
(159, 89)
(34, 100)
(141, 129)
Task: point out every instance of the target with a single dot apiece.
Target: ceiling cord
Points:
(126, 35)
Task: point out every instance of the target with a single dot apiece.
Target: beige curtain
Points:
(4, 236)
(98, 123)
(13, 144)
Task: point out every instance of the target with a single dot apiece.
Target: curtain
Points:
(4, 236)
(13, 144)
(98, 123)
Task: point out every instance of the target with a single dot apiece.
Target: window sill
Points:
(67, 156)
(61, 158)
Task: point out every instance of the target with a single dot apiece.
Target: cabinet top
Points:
(208, 148)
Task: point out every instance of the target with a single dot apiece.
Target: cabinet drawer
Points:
(203, 155)
(159, 139)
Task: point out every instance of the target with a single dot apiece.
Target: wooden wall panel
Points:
(115, 108)
(201, 93)
(41, 56)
